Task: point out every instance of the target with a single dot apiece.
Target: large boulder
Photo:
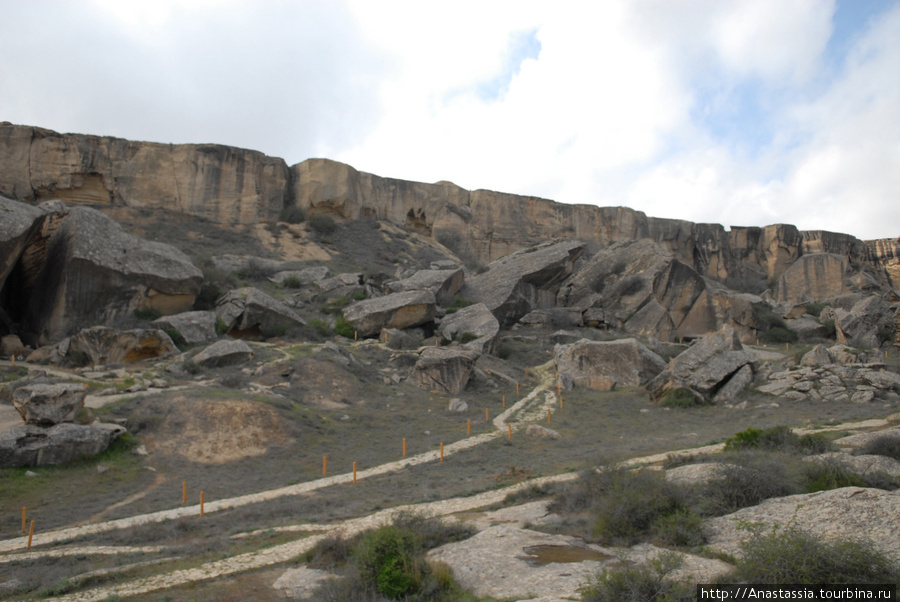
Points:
(78, 268)
(193, 326)
(397, 310)
(250, 312)
(28, 445)
(525, 280)
(641, 288)
(603, 365)
(812, 277)
(444, 369)
(49, 404)
(224, 353)
(868, 323)
(474, 326)
(17, 223)
(706, 367)
(443, 283)
(100, 345)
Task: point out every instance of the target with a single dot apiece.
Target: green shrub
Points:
(749, 478)
(823, 475)
(345, 328)
(207, 297)
(390, 558)
(292, 214)
(779, 438)
(221, 326)
(322, 224)
(683, 528)
(641, 583)
(191, 367)
(791, 555)
(176, 337)
(457, 304)
(358, 295)
(887, 445)
(321, 327)
(679, 397)
(632, 501)
(778, 335)
(815, 309)
(292, 282)
(147, 313)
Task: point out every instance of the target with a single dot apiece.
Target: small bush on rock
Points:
(639, 583)
(887, 445)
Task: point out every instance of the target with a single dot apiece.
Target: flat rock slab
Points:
(193, 326)
(224, 353)
(839, 514)
(397, 310)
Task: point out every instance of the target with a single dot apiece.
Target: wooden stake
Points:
(201, 503)
(30, 534)
(517, 389)
(354, 472)
(184, 492)
(324, 466)
(509, 431)
(560, 402)
(504, 401)
(486, 419)
(404, 447)
(548, 415)
(355, 335)
(468, 432)
(23, 519)
(12, 358)
(442, 451)
(526, 371)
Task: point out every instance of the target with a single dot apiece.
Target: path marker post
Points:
(30, 534)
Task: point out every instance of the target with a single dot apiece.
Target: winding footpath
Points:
(531, 407)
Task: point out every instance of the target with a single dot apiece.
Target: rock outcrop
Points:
(523, 281)
(78, 268)
(25, 445)
(193, 326)
(397, 310)
(707, 368)
(224, 184)
(249, 312)
(224, 353)
(811, 278)
(443, 283)
(444, 369)
(100, 345)
(49, 404)
(604, 365)
(475, 327)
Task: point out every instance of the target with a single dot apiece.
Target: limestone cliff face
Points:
(235, 186)
(220, 183)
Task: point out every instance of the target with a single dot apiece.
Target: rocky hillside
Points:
(235, 186)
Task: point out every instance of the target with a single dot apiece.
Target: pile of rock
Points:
(836, 374)
(50, 434)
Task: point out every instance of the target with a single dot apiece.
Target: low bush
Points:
(292, 214)
(344, 327)
(147, 313)
(750, 478)
(779, 438)
(791, 555)
(778, 335)
(682, 528)
(291, 282)
(887, 445)
(389, 562)
(680, 397)
(321, 327)
(640, 583)
(322, 224)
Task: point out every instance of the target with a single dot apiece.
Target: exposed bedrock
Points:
(74, 268)
(231, 185)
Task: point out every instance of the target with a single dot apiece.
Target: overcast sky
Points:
(739, 112)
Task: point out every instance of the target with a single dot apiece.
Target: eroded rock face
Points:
(193, 326)
(398, 310)
(49, 404)
(224, 184)
(812, 277)
(226, 352)
(100, 345)
(78, 268)
(473, 326)
(707, 367)
(250, 312)
(524, 281)
(444, 369)
(443, 283)
(28, 445)
(604, 365)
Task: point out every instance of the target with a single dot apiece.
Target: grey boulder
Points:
(49, 404)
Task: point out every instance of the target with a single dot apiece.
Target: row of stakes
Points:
(30, 529)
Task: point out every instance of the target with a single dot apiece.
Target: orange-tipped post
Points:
(324, 466)
(354, 472)
(23, 518)
(202, 496)
(30, 534)
(468, 432)
(442, 451)
(184, 492)
(509, 432)
(404, 447)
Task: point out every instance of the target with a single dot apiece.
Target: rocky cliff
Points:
(235, 186)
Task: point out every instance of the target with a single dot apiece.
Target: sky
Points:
(738, 112)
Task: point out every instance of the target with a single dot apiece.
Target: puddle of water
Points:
(541, 555)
